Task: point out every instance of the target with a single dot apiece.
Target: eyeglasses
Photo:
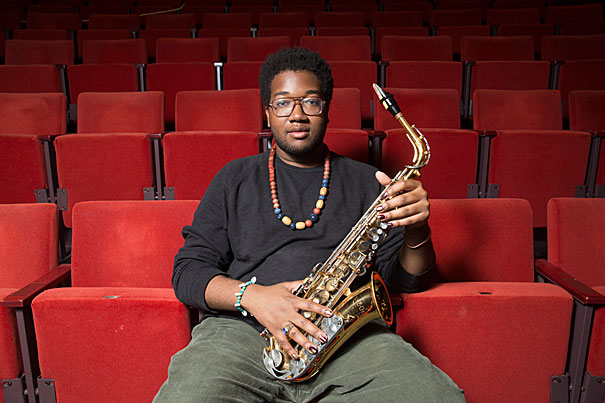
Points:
(283, 107)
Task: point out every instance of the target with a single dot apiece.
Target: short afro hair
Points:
(295, 59)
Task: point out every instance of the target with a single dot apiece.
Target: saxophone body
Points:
(329, 282)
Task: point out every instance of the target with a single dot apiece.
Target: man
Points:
(262, 218)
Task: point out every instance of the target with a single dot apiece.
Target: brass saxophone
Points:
(328, 284)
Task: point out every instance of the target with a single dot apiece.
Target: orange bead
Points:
(308, 223)
(316, 211)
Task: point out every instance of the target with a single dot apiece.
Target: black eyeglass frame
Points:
(298, 100)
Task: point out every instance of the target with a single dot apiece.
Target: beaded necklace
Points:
(323, 191)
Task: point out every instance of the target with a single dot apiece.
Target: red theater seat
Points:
(586, 114)
(109, 66)
(294, 33)
(453, 164)
(410, 48)
(176, 50)
(30, 245)
(192, 159)
(223, 21)
(153, 35)
(580, 75)
(435, 108)
(241, 75)
(535, 131)
(30, 78)
(170, 21)
(448, 18)
(396, 19)
(360, 75)
(117, 166)
(128, 322)
(501, 324)
(573, 13)
(125, 112)
(576, 262)
(298, 19)
(27, 124)
(339, 48)
(39, 52)
(206, 110)
(336, 19)
(515, 16)
(223, 35)
(114, 21)
(456, 32)
(476, 48)
(101, 34)
(254, 49)
(70, 21)
(425, 74)
(564, 48)
(536, 31)
(42, 34)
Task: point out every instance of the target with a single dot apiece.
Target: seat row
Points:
(313, 13)
(410, 62)
(109, 332)
(113, 156)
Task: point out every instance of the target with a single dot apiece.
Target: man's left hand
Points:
(406, 203)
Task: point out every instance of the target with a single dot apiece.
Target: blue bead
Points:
(322, 197)
(280, 216)
(324, 182)
(277, 210)
(292, 226)
(313, 217)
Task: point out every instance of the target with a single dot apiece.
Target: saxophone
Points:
(328, 284)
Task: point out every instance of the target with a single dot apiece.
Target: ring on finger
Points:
(286, 329)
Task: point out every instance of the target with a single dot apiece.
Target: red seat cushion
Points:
(126, 334)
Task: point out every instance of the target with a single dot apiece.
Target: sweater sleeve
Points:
(207, 251)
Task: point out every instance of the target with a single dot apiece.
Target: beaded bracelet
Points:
(418, 245)
(238, 303)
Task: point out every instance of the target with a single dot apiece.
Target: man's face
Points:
(297, 134)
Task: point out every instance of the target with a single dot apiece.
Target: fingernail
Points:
(295, 356)
(385, 194)
(328, 312)
(323, 338)
(312, 349)
(381, 216)
(379, 208)
(389, 224)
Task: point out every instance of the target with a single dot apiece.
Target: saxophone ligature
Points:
(328, 284)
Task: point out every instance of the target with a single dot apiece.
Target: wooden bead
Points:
(323, 191)
(286, 220)
(300, 225)
(319, 204)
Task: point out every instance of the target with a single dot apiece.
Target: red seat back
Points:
(132, 51)
(33, 113)
(575, 238)
(408, 48)
(175, 50)
(514, 109)
(39, 52)
(142, 236)
(254, 49)
(339, 48)
(425, 108)
(206, 110)
(125, 112)
(476, 48)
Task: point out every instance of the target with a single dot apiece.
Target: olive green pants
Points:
(223, 363)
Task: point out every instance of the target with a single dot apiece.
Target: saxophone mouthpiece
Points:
(386, 100)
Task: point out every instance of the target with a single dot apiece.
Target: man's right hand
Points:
(276, 308)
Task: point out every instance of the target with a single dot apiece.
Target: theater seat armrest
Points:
(396, 301)
(580, 291)
(25, 295)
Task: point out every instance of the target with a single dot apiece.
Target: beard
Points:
(297, 147)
